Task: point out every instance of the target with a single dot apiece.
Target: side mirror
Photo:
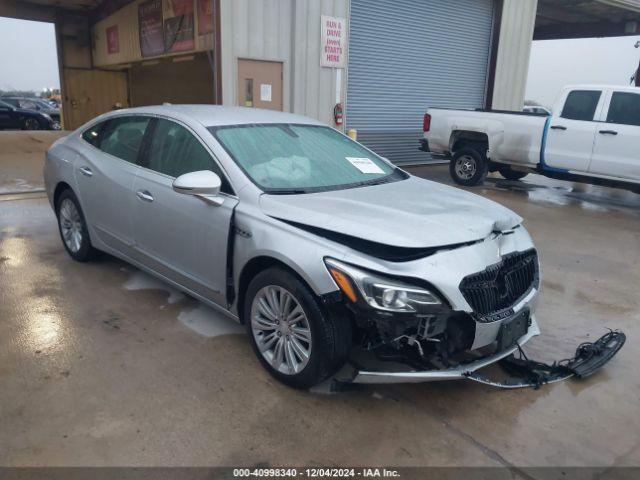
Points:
(204, 184)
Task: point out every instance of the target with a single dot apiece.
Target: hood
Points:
(412, 213)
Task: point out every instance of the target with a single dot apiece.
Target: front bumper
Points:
(485, 334)
(457, 373)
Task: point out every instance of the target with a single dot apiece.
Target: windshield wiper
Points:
(286, 191)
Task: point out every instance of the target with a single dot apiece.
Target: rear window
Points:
(581, 105)
(122, 137)
(92, 135)
(624, 109)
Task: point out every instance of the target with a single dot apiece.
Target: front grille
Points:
(503, 284)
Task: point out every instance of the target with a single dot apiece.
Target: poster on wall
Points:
(178, 26)
(150, 28)
(113, 40)
(205, 17)
(333, 32)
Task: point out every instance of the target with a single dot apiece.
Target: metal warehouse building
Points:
(370, 65)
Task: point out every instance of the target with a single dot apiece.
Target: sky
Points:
(28, 58)
(556, 63)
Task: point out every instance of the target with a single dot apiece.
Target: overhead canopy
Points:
(559, 19)
(46, 10)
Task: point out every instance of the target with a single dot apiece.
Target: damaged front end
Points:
(406, 331)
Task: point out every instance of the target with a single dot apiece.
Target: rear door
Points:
(571, 132)
(616, 152)
(181, 236)
(105, 170)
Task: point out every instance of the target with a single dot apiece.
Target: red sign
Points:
(113, 40)
(205, 17)
(178, 26)
(150, 28)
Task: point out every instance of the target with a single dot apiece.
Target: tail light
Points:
(426, 122)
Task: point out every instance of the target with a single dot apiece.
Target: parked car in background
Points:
(536, 109)
(592, 136)
(12, 117)
(318, 245)
(37, 104)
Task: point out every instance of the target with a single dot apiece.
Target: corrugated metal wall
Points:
(287, 31)
(514, 50)
(405, 56)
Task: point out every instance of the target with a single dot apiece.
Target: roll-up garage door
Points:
(407, 55)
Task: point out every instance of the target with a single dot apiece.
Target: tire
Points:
(510, 174)
(468, 167)
(30, 124)
(329, 338)
(73, 228)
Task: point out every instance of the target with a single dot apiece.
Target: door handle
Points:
(558, 127)
(608, 132)
(86, 171)
(144, 195)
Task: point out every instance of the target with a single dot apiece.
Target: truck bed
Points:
(513, 137)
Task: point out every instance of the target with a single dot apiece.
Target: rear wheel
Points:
(290, 333)
(510, 174)
(468, 167)
(73, 228)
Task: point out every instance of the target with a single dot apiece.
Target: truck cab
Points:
(595, 131)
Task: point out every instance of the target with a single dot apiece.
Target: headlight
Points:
(380, 292)
(47, 116)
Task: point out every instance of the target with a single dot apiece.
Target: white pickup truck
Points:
(592, 135)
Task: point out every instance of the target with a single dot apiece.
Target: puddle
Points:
(208, 322)
(142, 281)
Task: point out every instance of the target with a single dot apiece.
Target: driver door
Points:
(179, 236)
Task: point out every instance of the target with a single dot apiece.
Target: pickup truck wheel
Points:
(290, 333)
(468, 167)
(510, 174)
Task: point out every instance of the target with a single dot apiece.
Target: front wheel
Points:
(468, 167)
(290, 333)
(509, 174)
(30, 124)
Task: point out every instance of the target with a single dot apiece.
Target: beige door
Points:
(260, 84)
(88, 93)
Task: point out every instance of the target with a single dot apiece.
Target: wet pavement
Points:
(102, 365)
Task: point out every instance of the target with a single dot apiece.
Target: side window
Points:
(122, 137)
(581, 105)
(174, 151)
(624, 109)
(92, 135)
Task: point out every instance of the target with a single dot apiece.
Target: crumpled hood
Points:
(412, 213)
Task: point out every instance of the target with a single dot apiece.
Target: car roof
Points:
(218, 115)
(620, 88)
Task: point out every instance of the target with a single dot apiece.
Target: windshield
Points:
(288, 158)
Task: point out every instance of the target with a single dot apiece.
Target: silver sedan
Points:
(329, 254)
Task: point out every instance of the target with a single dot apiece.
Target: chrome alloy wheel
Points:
(281, 329)
(466, 167)
(71, 225)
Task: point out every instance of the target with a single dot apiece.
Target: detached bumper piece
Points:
(525, 372)
(521, 371)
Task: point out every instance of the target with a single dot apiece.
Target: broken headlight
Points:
(380, 292)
